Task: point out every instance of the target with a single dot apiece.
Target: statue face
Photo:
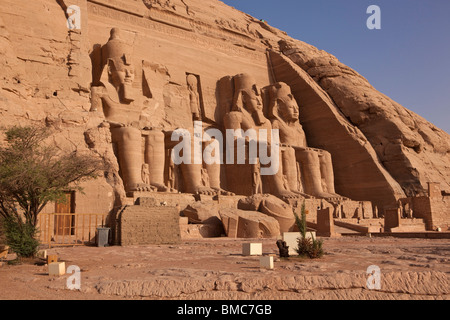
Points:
(121, 77)
(248, 97)
(122, 74)
(288, 107)
(252, 100)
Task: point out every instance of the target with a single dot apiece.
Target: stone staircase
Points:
(410, 225)
(353, 225)
(377, 225)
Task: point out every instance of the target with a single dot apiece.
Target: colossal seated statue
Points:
(123, 106)
(314, 174)
(247, 113)
(198, 176)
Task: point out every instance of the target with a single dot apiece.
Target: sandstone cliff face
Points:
(413, 150)
(45, 79)
(382, 151)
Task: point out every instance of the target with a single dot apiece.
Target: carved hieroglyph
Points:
(194, 96)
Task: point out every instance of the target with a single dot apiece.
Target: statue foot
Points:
(331, 196)
(304, 195)
(287, 195)
(162, 188)
(222, 192)
(206, 191)
(145, 187)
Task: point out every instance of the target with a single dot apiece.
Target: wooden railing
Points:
(69, 229)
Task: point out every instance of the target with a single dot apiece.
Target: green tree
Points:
(301, 222)
(34, 173)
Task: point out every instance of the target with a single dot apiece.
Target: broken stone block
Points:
(253, 224)
(325, 223)
(3, 254)
(52, 258)
(250, 224)
(280, 210)
(230, 222)
(202, 212)
(184, 221)
(266, 262)
(42, 254)
(251, 203)
(206, 213)
(252, 249)
(140, 225)
(56, 268)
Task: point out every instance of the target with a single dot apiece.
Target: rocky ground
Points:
(210, 269)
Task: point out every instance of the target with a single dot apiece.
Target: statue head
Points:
(282, 103)
(117, 58)
(247, 96)
(192, 82)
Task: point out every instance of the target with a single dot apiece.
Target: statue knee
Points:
(130, 134)
(310, 156)
(325, 154)
(155, 136)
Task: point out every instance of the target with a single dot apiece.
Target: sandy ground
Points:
(210, 269)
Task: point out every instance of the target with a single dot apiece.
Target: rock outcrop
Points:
(410, 148)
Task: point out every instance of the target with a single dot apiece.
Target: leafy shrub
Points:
(20, 236)
(310, 247)
(304, 246)
(316, 249)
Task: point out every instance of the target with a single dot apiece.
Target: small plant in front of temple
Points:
(307, 246)
(20, 235)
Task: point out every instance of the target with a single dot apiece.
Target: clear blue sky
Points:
(408, 59)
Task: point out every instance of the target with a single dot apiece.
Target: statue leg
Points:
(310, 167)
(318, 173)
(290, 168)
(129, 155)
(214, 167)
(291, 171)
(192, 172)
(191, 176)
(213, 170)
(155, 157)
(275, 184)
(326, 170)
